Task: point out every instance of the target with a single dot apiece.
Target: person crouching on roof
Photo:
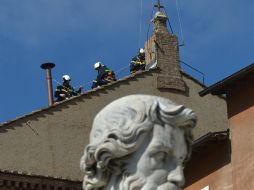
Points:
(138, 62)
(104, 76)
(65, 91)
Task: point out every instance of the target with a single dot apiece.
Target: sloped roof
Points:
(90, 92)
(220, 87)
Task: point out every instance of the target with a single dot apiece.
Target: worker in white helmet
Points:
(65, 91)
(104, 76)
(138, 62)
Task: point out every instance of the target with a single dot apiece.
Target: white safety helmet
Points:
(97, 65)
(141, 50)
(66, 77)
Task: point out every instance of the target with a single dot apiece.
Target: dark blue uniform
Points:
(105, 75)
(67, 90)
(138, 63)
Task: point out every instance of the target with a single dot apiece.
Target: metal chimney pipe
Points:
(48, 67)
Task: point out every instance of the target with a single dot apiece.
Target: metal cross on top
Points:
(159, 6)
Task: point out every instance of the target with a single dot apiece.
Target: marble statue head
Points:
(138, 142)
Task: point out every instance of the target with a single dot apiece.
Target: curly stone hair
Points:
(120, 128)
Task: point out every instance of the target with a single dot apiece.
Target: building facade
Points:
(239, 94)
(50, 142)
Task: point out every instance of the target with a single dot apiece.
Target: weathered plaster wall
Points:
(241, 112)
(53, 143)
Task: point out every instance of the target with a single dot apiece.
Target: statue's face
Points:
(159, 166)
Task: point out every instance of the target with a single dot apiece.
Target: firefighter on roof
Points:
(105, 75)
(65, 90)
(138, 62)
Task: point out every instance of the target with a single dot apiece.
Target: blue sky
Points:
(74, 34)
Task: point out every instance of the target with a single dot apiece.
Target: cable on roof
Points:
(171, 29)
(140, 23)
(147, 34)
(90, 82)
(180, 22)
(193, 68)
(148, 30)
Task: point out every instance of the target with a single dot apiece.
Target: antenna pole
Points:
(159, 6)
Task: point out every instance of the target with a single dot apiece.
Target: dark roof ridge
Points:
(227, 80)
(37, 175)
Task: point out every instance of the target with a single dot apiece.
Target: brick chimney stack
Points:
(160, 22)
(163, 47)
